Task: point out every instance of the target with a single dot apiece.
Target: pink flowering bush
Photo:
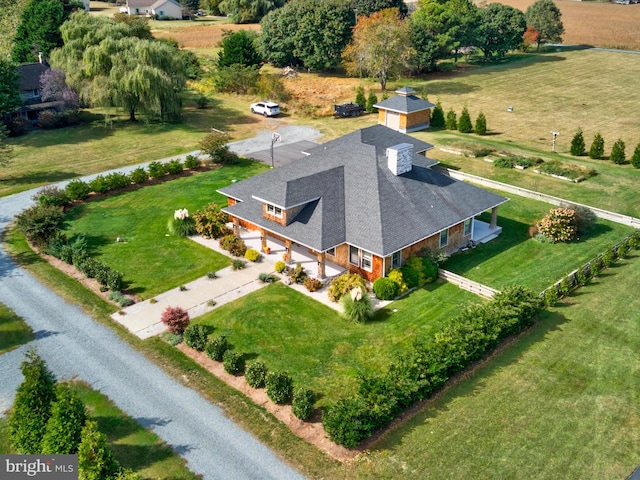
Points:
(559, 225)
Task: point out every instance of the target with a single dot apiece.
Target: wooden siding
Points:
(416, 118)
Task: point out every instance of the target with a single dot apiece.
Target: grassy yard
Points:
(151, 260)
(13, 330)
(514, 258)
(322, 351)
(134, 446)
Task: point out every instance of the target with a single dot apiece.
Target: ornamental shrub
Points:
(191, 162)
(267, 277)
(117, 180)
(608, 257)
(297, 274)
(635, 158)
(279, 387)
(358, 309)
(348, 421)
(176, 318)
(564, 287)
(182, 227)
(99, 184)
(256, 374)
(429, 269)
(211, 222)
(451, 121)
(481, 124)
(617, 152)
(464, 122)
(173, 167)
(238, 264)
(312, 284)
(437, 117)
(385, 288)
(623, 250)
(252, 255)
(77, 189)
(64, 427)
(303, 402)
(634, 240)
(597, 147)
(195, 336)
(40, 223)
(396, 276)
(233, 362)
(216, 347)
(280, 266)
(410, 276)
(52, 196)
(344, 284)
(594, 268)
(559, 225)
(551, 296)
(120, 298)
(581, 277)
(578, 147)
(139, 175)
(156, 170)
(95, 457)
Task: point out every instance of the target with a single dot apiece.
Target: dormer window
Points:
(273, 210)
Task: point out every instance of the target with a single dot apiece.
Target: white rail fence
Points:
(466, 284)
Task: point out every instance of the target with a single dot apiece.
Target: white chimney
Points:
(40, 57)
(399, 158)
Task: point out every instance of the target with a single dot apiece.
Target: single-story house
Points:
(170, 9)
(366, 201)
(404, 112)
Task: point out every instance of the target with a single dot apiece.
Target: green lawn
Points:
(321, 350)
(134, 446)
(13, 330)
(514, 258)
(562, 402)
(151, 260)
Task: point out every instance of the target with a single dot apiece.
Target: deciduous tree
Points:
(545, 18)
(247, 11)
(381, 46)
(364, 8)
(500, 29)
(32, 406)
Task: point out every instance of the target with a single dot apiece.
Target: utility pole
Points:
(275, 137)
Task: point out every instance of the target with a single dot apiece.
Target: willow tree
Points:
(109, 64)
(381, 46)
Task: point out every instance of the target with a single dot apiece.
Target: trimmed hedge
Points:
(303, 402)
(424, 369)
(385, 288)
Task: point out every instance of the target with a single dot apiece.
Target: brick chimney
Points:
(399, 158)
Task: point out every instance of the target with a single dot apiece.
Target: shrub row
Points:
(416, 272)
(450, 121)
(424, 369)
(596, 150)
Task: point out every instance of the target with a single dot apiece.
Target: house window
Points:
(467, 226)
(161, 13)
(396, 259)
(444, 238)
(273, 210)
(332, 252)
(360, 258)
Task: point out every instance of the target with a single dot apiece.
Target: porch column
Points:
(322, 257)
(263, 240)
(494, 218)
(287, 251)
(236, 227)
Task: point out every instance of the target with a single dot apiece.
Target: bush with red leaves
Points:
(176, 318)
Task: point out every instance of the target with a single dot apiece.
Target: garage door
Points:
(393, 120)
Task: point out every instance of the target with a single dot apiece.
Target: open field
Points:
(599, 24)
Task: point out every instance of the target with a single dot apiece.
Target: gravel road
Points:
(74, 345)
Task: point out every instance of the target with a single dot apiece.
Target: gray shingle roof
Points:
(352, 196)
(29, 75)
(405, 104)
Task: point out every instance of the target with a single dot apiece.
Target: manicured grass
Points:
(514, 258)
(13, 330)
(151, 260)
(561, 402)
(316, 346)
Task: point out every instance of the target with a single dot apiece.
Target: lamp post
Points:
(275, 137)
(553, 145)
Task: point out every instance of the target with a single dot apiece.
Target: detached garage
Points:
(405, 112)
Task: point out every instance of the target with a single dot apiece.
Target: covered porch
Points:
(484, 232)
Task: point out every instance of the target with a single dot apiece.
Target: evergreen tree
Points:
(451, 121)
(437, 116)
(360, 98)
(372, 99)
(617, 152)
(238, 48)
(39, 30)
(68, 416)
(597, 147)
(464, 122)
(95, 458)
(578, 147)
(481, 124)
(635, 158)
(32, 406)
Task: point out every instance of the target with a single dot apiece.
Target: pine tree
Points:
(360, 98)
(32, 406)
(68, 416)
(597, 147)
(578, 147)
(464, 122)
(372, 99)
(437, 116)
(481, 124)
(451, 122)
(95, 458)
(635, 158)
(617, 152)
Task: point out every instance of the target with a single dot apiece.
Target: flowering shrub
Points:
(559, 225)
(176, 318)
(343, 284)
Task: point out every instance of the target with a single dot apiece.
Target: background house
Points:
(169, 9)
(366, 201)
(29, 82)
(404, 112)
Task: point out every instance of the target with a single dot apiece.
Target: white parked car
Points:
(268, 109)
